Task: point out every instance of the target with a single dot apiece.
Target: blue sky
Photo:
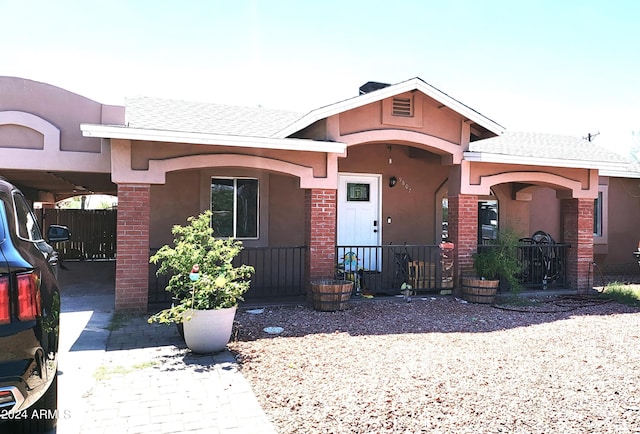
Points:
(559, 66)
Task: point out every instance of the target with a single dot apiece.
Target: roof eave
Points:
(620, 173)
(128, 133)
(485, 157)
(387, 92)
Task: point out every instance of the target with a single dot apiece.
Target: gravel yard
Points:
(437, 365)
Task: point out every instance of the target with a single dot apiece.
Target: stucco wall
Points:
(623, 227)
(286, 212)
(171, 204)
(431, 118)
(545, 213)
(186, 193)
(66, 110)
(411, 204)
(142, 152)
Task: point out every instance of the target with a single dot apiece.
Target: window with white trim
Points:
(600, 220)
(234, 204)
(597, 215)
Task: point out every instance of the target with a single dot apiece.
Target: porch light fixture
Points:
(393, 181)
(390, 159)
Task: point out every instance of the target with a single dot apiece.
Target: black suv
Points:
(29, 317)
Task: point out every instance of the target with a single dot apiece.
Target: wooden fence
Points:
(93, 232)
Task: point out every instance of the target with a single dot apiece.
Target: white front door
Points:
(359, 217)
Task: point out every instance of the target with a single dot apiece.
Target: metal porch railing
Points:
(279, 272)
(383, 269)
(542, 265)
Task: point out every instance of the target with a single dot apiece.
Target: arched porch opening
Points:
(286, 204)
(408, 226)
(529, 202)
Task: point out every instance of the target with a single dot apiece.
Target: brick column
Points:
(577, 227)
(320, 234)
(463, 233)
(132, 260)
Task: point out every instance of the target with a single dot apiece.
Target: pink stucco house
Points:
(387, 173)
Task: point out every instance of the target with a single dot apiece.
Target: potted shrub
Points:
(492, 263)
(205, 285)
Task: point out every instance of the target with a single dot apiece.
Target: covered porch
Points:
(428, 269)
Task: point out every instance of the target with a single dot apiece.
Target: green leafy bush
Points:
(220, 284)
(500, 259)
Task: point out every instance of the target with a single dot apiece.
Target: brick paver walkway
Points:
(150, 383)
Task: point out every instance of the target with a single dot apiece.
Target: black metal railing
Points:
(383, 269)
(279, 272)
(542, 265)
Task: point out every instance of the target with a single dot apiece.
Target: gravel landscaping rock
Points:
(438, 365)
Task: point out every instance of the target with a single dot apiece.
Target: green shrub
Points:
(220, 284)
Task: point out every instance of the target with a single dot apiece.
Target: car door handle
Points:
(53, 259)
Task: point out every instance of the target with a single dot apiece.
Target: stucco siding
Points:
(545, 213)
(430, 118)
(45, 101)
(623, 227)
(144, 152)
(172, 203)
(18, 136)
(411, 203)
(186, 193)
(286, 212)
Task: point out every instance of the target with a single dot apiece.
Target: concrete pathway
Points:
(140, 378)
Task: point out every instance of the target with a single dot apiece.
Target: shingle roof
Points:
(545, 146)
(198, 117)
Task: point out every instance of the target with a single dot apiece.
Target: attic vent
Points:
(402, 107)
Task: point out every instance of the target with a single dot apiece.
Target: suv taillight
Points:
(5, 311)
(28, 296)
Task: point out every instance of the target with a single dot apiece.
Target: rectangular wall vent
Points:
(402, 107)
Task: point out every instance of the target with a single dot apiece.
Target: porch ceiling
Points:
(60, 184)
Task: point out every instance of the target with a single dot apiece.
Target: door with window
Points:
(359, 217)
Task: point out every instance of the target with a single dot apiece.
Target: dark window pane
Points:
(247, 211)
(597, 215)
(357, 192)
(222, 207)
(27, 225)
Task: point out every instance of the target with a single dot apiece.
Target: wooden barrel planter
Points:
(331, 295)
(475, 290)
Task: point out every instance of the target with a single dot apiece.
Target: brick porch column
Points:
(463, 233)
(132, 260)
(577, 226)
(320, 234)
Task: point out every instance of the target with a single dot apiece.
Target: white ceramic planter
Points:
(208, 331)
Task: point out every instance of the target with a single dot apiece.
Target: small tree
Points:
(220, 284)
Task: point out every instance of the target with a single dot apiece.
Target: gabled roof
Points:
(198, 117)
(179, 121)
(416, 84)
(545, 150)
